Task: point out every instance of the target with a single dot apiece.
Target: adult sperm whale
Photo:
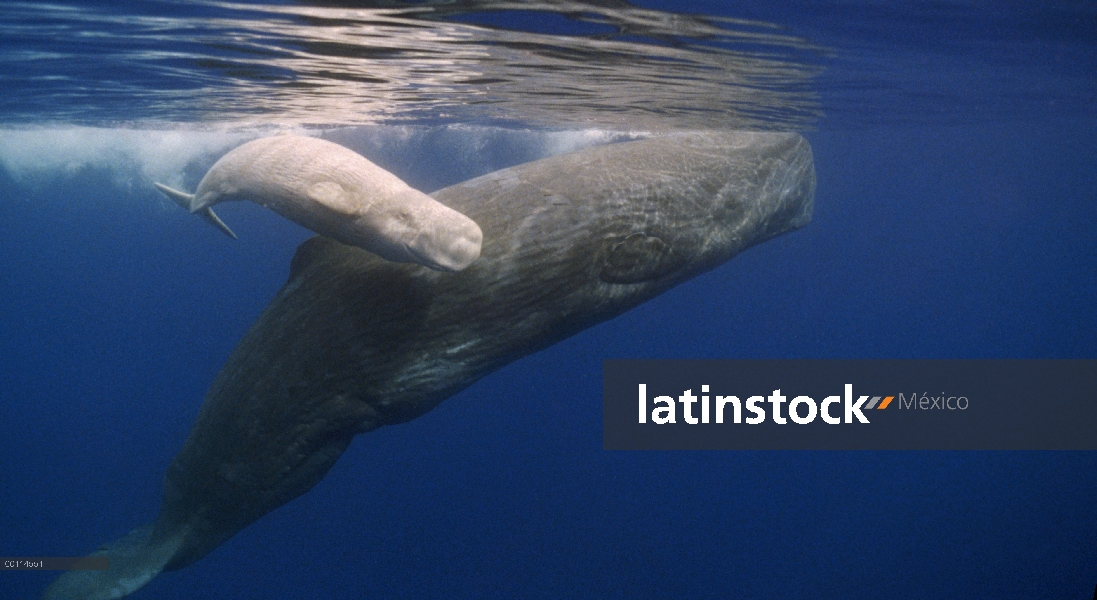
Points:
(339, 194)
(352, 343)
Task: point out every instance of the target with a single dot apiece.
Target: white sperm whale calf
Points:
(338, 194)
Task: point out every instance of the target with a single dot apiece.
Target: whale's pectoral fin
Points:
(187, 201)
(134, 558)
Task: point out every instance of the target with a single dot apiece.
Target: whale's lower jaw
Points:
(353, 342)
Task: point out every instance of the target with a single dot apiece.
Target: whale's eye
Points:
(638, 257)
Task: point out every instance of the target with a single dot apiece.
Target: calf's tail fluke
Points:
(134, 559)
(187, 201)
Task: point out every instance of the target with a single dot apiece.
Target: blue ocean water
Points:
(955, 216)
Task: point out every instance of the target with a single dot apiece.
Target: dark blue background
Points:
(979, 240)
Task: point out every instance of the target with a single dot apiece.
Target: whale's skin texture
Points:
(352, 342)
(340, 194)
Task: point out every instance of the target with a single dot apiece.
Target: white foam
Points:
(134, 158)
(562, 142)
(38, 155)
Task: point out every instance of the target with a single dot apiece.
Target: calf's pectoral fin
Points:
(333, 196)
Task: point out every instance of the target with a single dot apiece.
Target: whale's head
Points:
(416, 228)
(445, 241)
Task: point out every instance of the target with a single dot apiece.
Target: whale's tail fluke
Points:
(187, 200)
(134, 558)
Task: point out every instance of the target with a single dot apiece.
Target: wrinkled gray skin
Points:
(352, 342)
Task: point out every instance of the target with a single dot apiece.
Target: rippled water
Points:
(234, 62)
(561, 63)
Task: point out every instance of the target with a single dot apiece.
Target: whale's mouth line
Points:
(427, 261)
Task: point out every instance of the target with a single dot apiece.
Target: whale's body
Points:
(352, 343)
(338, 194)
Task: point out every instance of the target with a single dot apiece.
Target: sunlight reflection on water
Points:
(627, 67)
